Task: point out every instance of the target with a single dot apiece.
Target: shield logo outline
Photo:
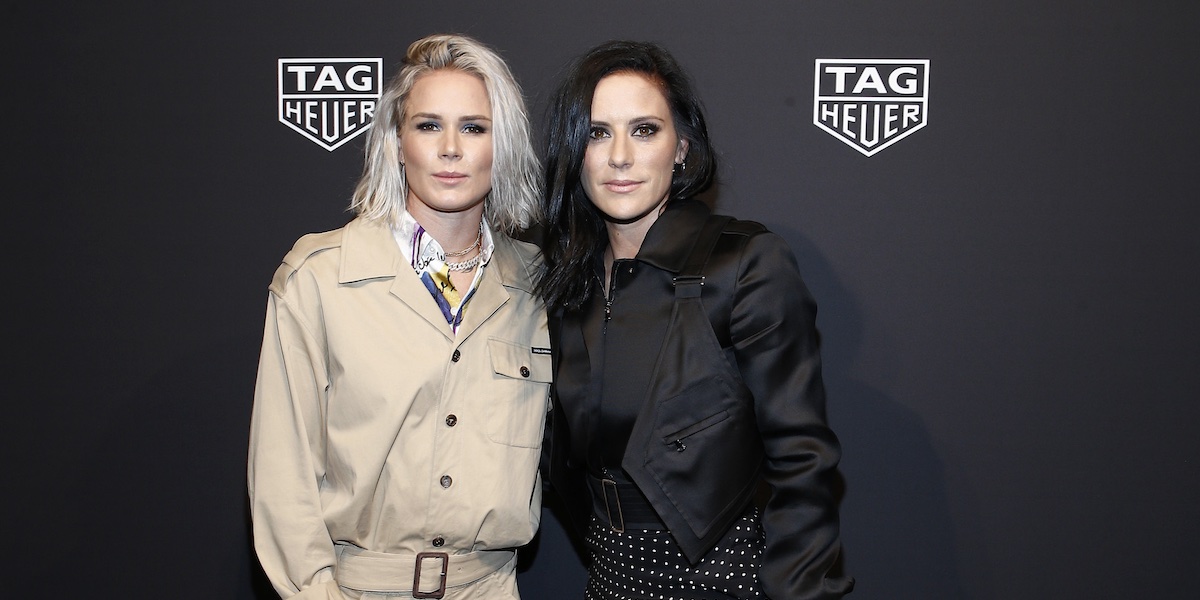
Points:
(921, 102)
(319, 135)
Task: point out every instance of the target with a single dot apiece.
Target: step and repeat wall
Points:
(994, 203)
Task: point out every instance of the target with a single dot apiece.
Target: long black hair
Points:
(574, 231)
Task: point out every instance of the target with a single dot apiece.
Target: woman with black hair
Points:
(687, 363)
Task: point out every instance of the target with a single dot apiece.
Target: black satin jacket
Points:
(735, 396)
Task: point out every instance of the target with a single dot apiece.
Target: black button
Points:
(438, 542)
(454, 357)
(524, 371)
(446, 481)
(451, 421)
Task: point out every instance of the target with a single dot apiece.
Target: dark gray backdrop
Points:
(1008, 296)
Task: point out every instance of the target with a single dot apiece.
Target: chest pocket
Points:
(520, 395)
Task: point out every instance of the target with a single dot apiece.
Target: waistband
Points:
(620, 505)
(424, 575)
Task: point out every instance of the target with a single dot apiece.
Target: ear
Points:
(400, 148)
(681, 151)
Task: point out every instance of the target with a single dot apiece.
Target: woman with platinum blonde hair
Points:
(404, 377)
(514, 202)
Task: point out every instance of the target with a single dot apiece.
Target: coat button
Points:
(524, 371)
(454, 357)
(446, 481)
(451, 421)
(438, 542)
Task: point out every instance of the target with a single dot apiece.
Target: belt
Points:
(620, 505)
(425, 574)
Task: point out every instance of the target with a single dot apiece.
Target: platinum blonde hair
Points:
(514, 202)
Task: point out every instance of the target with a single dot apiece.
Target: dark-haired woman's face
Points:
(632, 149)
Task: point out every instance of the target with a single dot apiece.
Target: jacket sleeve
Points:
(774, 337)
(285, 465)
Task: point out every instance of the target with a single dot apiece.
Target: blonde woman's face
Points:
(446, 143)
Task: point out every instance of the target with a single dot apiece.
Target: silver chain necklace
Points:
(465, 265)
(474, 245)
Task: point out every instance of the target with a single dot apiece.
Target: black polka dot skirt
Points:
(646, 564)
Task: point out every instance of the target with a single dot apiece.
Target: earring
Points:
(679, 167)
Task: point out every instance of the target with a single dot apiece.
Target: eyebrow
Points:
(633, 120)
(439, 117)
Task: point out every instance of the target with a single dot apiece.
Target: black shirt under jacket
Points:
(700, 399)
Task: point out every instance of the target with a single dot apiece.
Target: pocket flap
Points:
(520, 361)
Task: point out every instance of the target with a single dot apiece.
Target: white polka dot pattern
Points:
(646, 564)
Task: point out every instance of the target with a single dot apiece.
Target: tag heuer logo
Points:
(329, 100)
(871, 104)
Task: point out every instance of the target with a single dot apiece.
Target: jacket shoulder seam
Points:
(305, 248)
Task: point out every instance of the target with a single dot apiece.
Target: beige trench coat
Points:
(375, 426)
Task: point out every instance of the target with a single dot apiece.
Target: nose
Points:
(620, 153)
(451, 146)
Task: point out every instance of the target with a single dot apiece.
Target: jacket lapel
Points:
(369, 252)
(503, 270)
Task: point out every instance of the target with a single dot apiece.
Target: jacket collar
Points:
(670, 239)
(369, 251)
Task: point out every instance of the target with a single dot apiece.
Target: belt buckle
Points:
(441, 590)
(605, 485)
